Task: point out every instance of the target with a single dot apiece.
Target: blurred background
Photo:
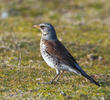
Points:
(84, 28)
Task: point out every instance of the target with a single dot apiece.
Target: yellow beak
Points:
(36, 26)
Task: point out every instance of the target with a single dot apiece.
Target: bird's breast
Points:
(49, 59)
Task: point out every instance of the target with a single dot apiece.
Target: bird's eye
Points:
(42, 27)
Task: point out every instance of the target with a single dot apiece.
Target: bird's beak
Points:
(36, 26)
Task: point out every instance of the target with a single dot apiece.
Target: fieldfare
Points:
(56, 55)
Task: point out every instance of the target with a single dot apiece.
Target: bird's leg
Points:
(59, 76)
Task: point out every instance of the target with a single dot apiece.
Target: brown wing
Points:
(59, 51)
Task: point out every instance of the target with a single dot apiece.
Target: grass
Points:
(82, 26)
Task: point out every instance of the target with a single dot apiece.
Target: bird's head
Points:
(48, 31)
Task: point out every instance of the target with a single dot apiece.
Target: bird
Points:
(56, 55)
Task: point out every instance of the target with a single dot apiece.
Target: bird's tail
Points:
(83, 73)
(90, 78)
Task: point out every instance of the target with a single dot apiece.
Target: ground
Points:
(83, 26)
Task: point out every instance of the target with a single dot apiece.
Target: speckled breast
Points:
(49, 59)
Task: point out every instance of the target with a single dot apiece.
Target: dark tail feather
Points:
(83, 73)
(90, 78)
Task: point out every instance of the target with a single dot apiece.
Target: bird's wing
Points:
(56, 49)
